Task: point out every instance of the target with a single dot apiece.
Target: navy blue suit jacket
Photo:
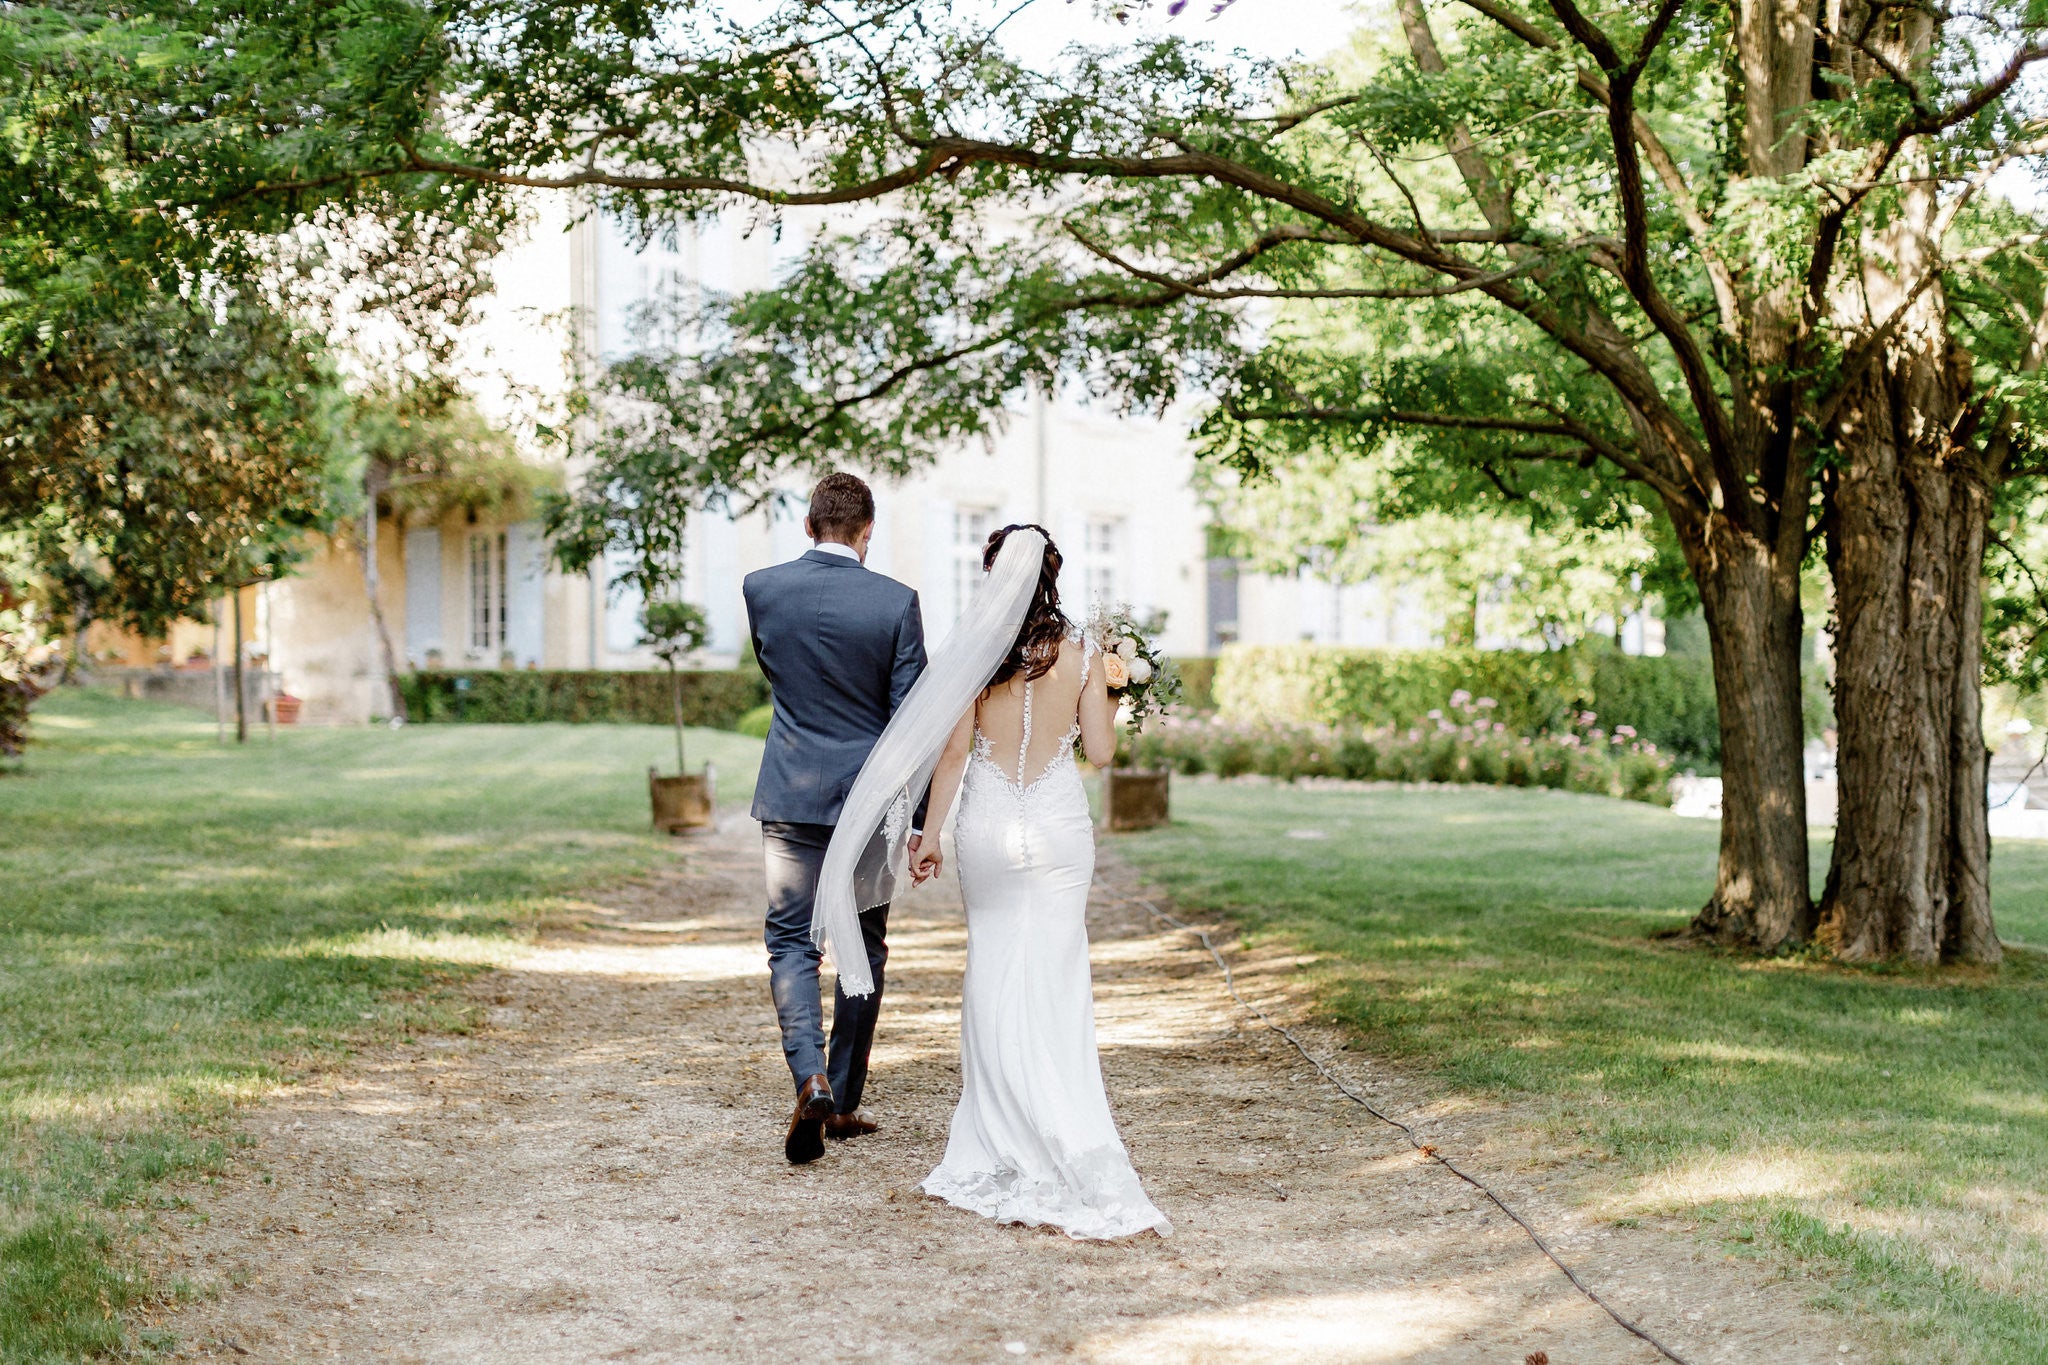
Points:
(841, 646)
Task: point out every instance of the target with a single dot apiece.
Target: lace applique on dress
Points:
(1088, 1195)
(1062, 759)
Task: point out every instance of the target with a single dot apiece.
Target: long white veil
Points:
(868, 849)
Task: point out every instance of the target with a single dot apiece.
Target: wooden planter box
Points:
(681, 803)
(1134, 799)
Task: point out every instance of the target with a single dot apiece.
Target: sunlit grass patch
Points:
(124, 1108)
(386, 942)
(1715, 1180)
(1862, 1124)
(187, 926)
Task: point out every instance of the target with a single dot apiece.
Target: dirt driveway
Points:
(597, 1175)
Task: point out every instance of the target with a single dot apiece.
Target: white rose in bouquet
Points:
(1128, 648)
(1141, 672)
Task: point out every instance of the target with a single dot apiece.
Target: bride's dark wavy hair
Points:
(1045, 625)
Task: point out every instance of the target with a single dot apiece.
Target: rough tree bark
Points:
(1762, 896)
(1749, 594)
(1906, 522)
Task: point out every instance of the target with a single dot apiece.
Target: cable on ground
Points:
(1426, 1149)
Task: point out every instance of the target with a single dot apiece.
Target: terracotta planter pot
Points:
(681, 803)
(285, 707)
(1134, 799)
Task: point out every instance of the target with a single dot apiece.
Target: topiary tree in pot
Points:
(674, 631)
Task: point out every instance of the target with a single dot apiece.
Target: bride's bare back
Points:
(1059, 713)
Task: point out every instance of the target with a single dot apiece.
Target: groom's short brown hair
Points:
(841, 505)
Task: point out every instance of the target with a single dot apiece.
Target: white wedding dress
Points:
(1033, 1141)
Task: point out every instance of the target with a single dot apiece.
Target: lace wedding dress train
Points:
(1032, 1140)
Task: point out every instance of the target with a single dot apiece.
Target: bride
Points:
(995, 718)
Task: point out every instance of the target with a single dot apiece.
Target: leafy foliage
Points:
(157, 144)
(427, 453)
(2016, 600)
(1546, 250)
(167, 409)
(156, 458)
(674, 630)
(23, 654)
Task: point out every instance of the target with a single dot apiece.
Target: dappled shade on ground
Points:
(1889, 1127)
(596, 1173)
(184, 924)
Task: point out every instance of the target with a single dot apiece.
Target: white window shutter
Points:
(526, 566)
(422, 594)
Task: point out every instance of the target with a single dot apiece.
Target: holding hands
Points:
(925, 858)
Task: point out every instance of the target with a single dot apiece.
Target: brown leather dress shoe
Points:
(843, 1126)
(806, 1140)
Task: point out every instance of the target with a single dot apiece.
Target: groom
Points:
(841, 647)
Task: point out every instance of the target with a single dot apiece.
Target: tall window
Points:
(971, 527)
(486, 592)
(1101, 555)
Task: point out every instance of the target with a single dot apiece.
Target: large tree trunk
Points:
(1906, 521)
(1762, 896)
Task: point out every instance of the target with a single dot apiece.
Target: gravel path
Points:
(596, 1175)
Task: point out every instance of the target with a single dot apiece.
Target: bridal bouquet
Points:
(1140, 677)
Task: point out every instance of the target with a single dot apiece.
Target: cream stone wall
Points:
(319, 631)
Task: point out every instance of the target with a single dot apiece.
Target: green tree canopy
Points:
(157, 459)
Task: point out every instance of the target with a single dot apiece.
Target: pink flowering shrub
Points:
(1460, 742)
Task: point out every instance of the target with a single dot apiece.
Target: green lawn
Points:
(183, 924)
(1888, 1129)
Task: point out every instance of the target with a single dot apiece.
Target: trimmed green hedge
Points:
(1669, 700)
(716, 699)
(1197, 683)
(1465, 746)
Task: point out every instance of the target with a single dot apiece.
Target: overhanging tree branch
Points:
(1635, 257)
(1199, 286)
(1623, 457)
(1669, 175)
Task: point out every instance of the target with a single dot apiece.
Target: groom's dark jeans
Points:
(794, 854)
